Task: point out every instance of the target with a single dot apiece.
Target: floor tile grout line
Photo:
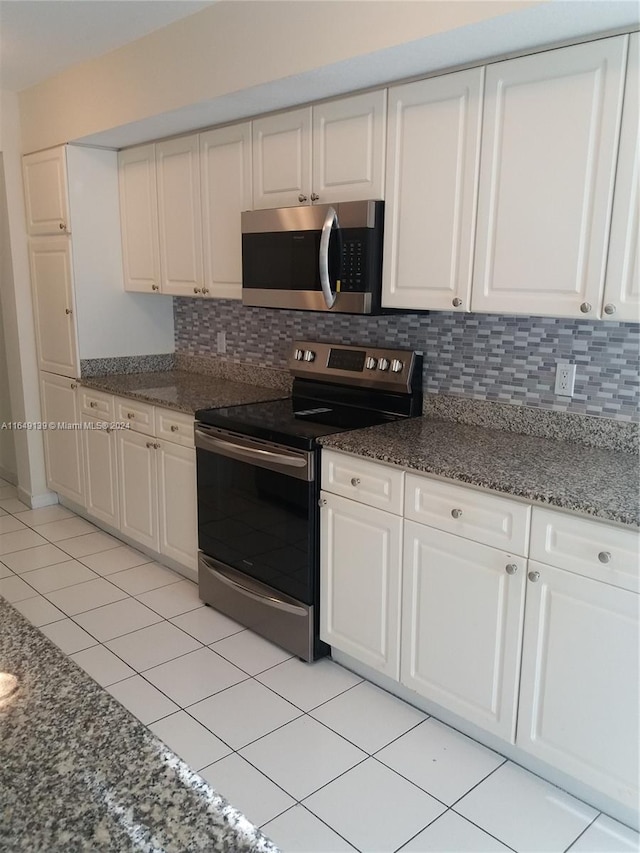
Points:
(578, 837)
(473, 787)
(431, 822)
(332, 828)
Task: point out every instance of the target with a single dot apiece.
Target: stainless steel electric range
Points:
(258, 478)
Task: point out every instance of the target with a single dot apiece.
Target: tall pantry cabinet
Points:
(80, 307)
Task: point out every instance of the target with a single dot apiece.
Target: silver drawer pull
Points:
(604, 556)
(322, 502)
(93, 404)
(150, 445)
(355, 481)
(130, 415)
(174, 428)
(534, 577)
(456, 513)
(511, 568)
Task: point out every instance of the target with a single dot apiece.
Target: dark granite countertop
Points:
(182, 390)
(565, 475)
(79, 773)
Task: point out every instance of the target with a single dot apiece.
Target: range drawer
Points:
(174, 426)
(371, 483)
(466, 512)
(97, 404)
(592, 548)
(138, 415)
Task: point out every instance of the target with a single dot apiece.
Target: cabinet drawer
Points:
(97, 404)
(466, 512)
(370, 483)
(592, 548)
(138, 415)
(174, 426)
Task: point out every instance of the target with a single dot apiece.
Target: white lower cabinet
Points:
(360, 582)
(138, 480)
(579, 687)
(177, 510)
(544, 657)
(62, 447)
(462, 615)
(101, 471)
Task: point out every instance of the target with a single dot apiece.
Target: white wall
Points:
(15, 292)
(8, 465)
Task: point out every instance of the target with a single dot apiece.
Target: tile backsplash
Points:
(485, 357)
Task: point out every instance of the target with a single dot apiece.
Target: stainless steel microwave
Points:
(327, 257)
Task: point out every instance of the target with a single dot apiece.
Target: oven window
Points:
(259, 522)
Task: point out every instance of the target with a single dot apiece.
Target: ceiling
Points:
(40, 38)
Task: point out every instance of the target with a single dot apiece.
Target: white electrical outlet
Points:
(565, 379)
(221, 342)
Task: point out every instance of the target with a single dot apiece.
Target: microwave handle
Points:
(325, 283)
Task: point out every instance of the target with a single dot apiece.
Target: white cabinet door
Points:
(549, 144)
(54, 305)
(348, 148)
(622, 285)
(139, 218)
(101, 473)
(177, 502)
(282, 159)
(579, 685)
(432, 177)
(179, 215)
(138, 481)
(46, 192)
(360, 582)
(62, 447)
(225, 168)
(462, 612)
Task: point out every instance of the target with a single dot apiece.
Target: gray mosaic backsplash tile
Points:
(481, 356)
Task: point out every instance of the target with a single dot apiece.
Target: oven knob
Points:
(371, 363)
(396, 365)
(309, 355)
(383, 364)
(298, 354)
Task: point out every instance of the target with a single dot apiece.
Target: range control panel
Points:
(374, 367)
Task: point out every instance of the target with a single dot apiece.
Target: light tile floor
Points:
(320, 759)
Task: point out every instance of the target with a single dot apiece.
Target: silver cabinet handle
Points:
(63, 226)
(456, 513)
(174, 428)
(604, 556)
(68, 311)
(355, 481)
(534, 577)
(302, 198)
(155, 287)
(511, 568)
(156, 446)
(456, 302)
(322, 502)
(205, 290)
(315, 197)
(609, 308)
(330, 219)
(93, 404)
(130, 415)
(109, 430)
(197, 290)
(150, 445)
(585, 307)
(74, 385)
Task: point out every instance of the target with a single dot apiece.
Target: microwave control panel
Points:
(353, 265)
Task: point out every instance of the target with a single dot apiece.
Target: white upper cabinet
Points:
(345, 162)
(179, 214)
(349, 148)
(431, 192)
(54, 305)
(225, 169)
(139, 218)
(549, 146)
(622, 285)
(46, 193)
(282, 159)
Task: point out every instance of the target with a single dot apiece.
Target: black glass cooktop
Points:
(290, 423)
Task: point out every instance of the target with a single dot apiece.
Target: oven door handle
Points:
(323, 258)
(265, 458)
(255, 591)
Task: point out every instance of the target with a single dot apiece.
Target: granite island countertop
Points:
(604, 484)
(79, 773)
(182, 390)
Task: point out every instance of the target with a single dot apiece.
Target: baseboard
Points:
(37, 501)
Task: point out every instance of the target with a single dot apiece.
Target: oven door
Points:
(257, 510)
